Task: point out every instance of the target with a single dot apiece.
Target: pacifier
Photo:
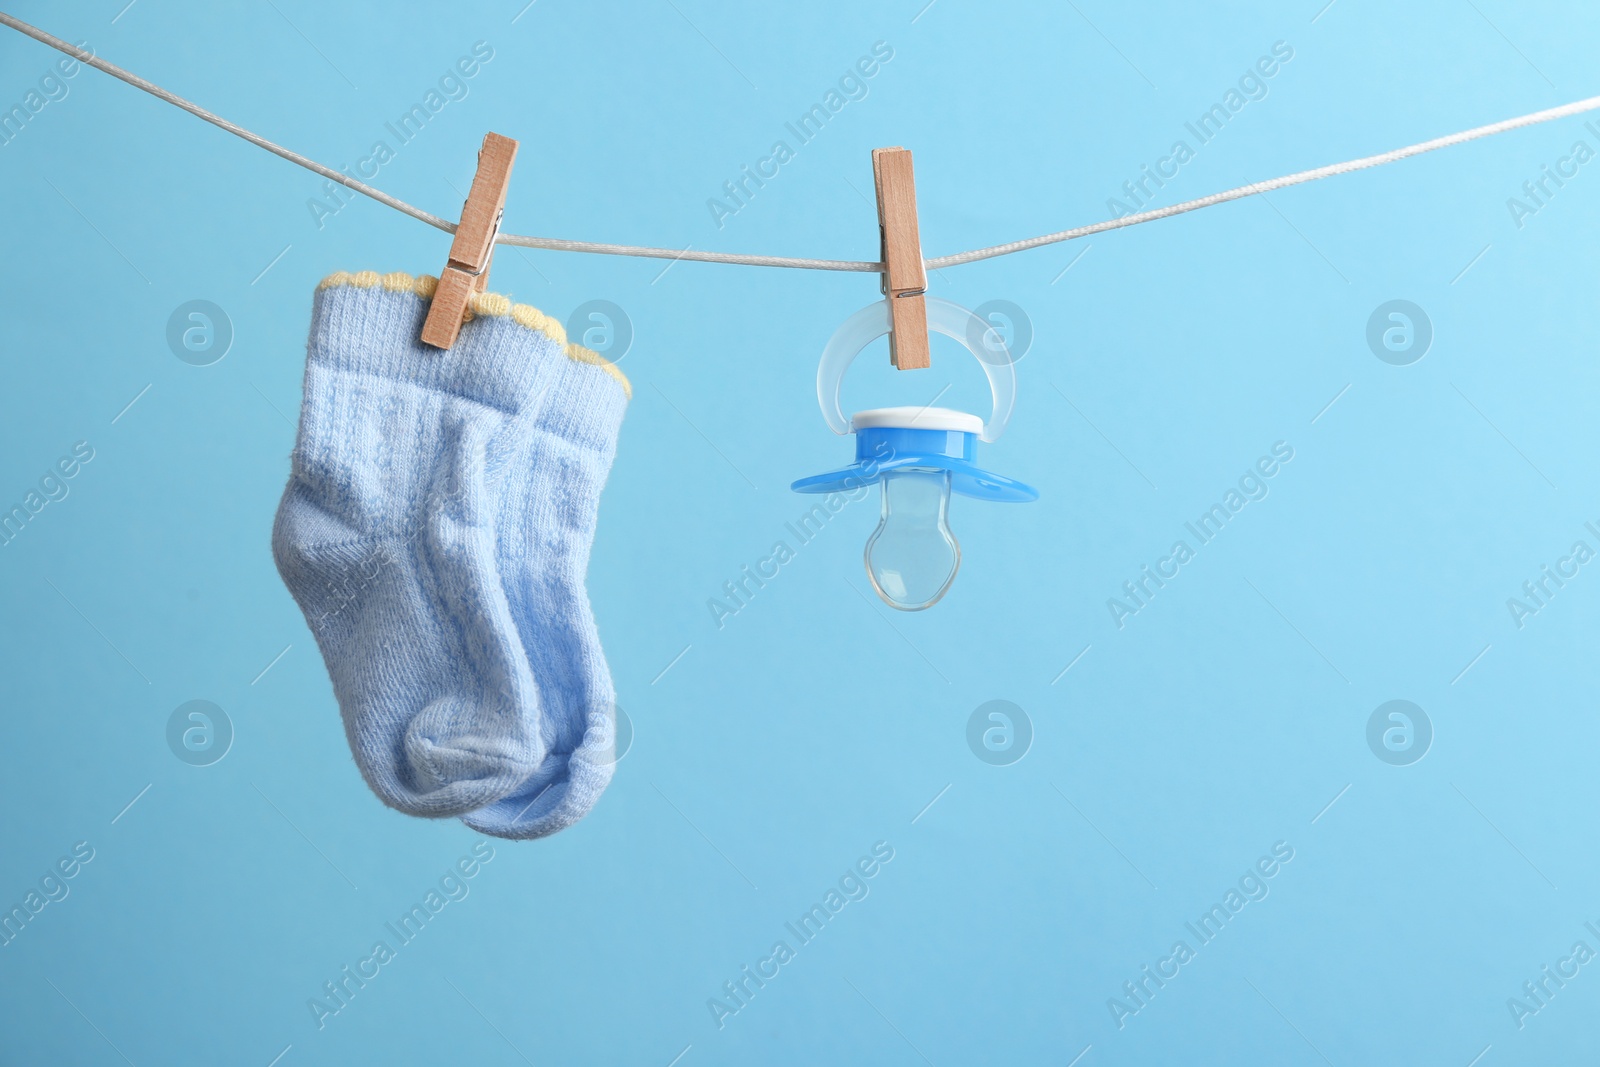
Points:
(919, 455)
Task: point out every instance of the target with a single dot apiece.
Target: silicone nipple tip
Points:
(912, 557)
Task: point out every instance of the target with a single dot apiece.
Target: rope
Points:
(559, 245)
(1256, 188)
(217, 120)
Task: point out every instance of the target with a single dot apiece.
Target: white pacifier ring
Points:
(950, 319)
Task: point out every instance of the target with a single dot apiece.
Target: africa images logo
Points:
(852, 886)
(1139, 991)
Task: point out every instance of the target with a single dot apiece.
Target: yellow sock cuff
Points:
(492, 304)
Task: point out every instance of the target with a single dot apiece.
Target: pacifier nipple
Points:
(912, 557)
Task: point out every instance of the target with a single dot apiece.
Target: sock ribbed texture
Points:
(429, 513)
(547, 526)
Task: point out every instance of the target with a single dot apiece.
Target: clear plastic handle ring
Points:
(952, 320)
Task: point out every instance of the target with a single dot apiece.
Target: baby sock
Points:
(385, 538)
(547, 524)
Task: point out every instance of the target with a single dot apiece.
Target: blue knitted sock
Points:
(547, 524)
(388, 537)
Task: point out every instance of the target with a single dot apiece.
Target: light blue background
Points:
(1223, 718)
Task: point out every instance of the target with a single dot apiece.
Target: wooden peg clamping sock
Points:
(467, 269)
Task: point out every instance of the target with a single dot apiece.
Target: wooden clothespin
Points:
(904, 279)
(467, 269)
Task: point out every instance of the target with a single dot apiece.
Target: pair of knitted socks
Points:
(436, 532)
